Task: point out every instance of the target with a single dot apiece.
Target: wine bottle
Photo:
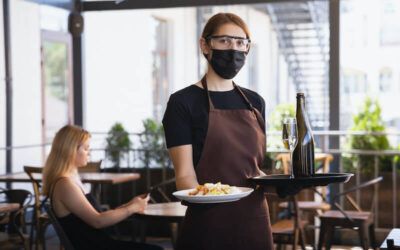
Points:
(303, 154)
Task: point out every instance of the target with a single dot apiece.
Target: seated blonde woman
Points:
(76, 211)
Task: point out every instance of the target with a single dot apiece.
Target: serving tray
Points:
(285, 185)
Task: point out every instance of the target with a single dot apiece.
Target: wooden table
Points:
(8, 207)
(93, 178)
(170, 212)
(395, 235)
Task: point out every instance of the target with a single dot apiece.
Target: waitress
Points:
(215, 132)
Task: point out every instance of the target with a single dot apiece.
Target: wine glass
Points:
(289, 138)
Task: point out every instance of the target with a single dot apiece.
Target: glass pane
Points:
(56, 91)
(160, 69)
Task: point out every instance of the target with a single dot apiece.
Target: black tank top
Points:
(81, 234)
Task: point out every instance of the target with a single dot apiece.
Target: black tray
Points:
(285, 185)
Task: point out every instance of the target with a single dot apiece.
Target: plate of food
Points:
(213, 193)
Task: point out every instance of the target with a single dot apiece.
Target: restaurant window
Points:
(160, 69)
(355, 21)
(354, 82)
(390, 25)
(385, 80)
(57, 101)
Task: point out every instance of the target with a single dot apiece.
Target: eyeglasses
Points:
(229, 42)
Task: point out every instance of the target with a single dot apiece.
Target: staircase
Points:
(302, 28)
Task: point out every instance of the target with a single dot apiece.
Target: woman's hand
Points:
(138, 204)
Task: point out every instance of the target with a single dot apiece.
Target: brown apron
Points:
(233, 151)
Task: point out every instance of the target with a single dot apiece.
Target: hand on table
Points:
(138, 204)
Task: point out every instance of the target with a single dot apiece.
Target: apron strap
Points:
(251, 107)
(204, 83)
(244, 96)
(257, 113)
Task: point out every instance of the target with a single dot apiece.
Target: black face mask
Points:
(227, 63)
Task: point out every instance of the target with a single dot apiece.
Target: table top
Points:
(94, 178)
(170, 211)
(395, 235)
(8, 207)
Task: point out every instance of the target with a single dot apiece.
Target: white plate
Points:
(184, 195)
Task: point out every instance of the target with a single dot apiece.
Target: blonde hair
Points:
(62, 154)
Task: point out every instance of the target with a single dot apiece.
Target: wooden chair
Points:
(359, 220)
(65, 242)
(290, 230)
(16, 220)
(157, 192)
(40, 219)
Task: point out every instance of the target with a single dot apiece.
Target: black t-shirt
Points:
(186, 117)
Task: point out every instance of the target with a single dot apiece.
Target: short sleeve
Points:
(177, 122)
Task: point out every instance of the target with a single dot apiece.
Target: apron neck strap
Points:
(245, 97)
(211, 105)
(254, 110)
(204, 83)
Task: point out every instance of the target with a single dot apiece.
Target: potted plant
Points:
(152, 142)
(368, 119)
(118, 144)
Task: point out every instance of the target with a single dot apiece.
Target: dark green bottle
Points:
(303, 153)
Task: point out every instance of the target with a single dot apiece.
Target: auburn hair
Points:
(216, 21)
(62, 154)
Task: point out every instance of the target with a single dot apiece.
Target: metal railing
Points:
(133, 158)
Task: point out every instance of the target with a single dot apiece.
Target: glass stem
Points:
(291, 164)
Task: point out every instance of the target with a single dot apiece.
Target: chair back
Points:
(91, 167)
(20, 196)
(30, 171)
(65, 242)
(347, 193)
(352, 201)
(23, 198)
(320, 158)
(157, 192)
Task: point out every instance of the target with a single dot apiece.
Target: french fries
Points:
(211, 189)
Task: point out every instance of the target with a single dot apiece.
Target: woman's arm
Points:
(75, 202)
(182, 158)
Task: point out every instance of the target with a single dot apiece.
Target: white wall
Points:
(118, 64)
(25, 39)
